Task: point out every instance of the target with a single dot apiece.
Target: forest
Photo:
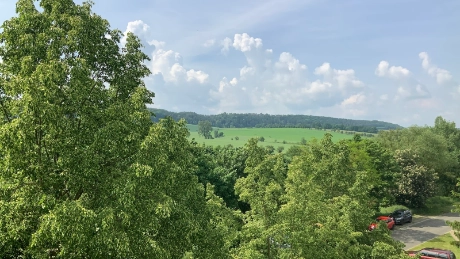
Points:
(250, 120)
(86, 173)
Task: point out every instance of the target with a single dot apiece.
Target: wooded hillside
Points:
(246, 120)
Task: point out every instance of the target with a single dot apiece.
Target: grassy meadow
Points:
(276, 137)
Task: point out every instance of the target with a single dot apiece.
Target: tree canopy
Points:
(86, 173)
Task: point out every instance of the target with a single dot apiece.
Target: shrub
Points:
(390, 209)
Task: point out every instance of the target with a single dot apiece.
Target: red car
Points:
(390, 222)
(433, 253)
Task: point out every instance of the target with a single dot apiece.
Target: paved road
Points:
(423, 229)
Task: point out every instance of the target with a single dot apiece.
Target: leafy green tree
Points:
(270, 149)
(204, 129)
(303, 141)
(327, 210)
(227, 221)
(75, 115)
(416, 183)
(261, 139)
(432, 148)
(84, 173)
(262, 188)
(381, 167)
(280, 149)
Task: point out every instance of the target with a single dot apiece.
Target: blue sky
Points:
(392, 60)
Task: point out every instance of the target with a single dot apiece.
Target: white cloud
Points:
(343, 78)
(138, 27)
(244, 42)
(354, 99)
(209, 43)
(280, 83)
(226, 43)
(408, 87)
(384, 69)
(442, 76)
(169, 64)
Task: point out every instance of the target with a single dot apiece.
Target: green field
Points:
(441, 242)
(273, 136)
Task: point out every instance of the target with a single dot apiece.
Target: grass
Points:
(276, 137)
(434, 206)
(442, 242)
(437, 205)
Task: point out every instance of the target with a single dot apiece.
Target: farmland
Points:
(276, 137)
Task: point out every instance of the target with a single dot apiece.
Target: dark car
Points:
(401, 216)
(432, 253)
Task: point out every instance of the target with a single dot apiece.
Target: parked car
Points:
(401, 216)
(390, 222)
(433, 253)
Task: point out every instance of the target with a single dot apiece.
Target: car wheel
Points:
(392, 227)
(410, 219)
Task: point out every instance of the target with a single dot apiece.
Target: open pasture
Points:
(276, 137)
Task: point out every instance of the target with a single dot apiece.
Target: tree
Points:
(270, 149)
(327, 210)
(204, 129)
(83, 172)
(262, 188)
(416, 182)
(303, 141)
(380, 165)
(434, 149)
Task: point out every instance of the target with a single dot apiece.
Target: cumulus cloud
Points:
(277, 82)
(442, 76)
(280, 84)
(168, 63)
(343, 78)
(209, 43)
(137, 27)
(226, 43)
(384, 69)
(408, 86)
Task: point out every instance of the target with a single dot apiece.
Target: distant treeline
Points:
(251, 120)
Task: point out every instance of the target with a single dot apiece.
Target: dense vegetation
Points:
(85, 173)
(249, 120)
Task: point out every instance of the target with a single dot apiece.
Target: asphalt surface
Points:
(423, 229)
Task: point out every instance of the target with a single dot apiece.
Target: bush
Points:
(437, 205)
(387, 210)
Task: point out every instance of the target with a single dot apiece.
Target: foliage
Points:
(416, 182)
(262, 189)
(235, 120)
(204, 129)
(433, 149)
(381, 167)
(84, 173)
(326, 214)
(387, 210)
